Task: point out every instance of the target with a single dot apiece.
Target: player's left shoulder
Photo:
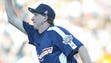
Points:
(52, 28)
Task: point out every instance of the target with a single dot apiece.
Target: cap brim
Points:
(32, 10)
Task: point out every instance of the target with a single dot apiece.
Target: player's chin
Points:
(36, 27)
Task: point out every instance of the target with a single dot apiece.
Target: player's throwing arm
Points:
(12, 17)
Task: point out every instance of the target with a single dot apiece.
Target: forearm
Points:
(9, 10)
(12, 17)
(84, 55)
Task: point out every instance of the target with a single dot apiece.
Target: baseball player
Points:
(54, 44)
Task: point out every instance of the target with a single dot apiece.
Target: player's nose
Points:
(32, 19)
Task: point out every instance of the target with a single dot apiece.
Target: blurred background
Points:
(88, 20)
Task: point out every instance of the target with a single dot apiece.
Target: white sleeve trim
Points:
(62, 58)
(67, 39)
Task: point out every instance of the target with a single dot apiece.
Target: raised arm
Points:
(12, 17)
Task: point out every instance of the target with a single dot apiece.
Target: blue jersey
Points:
(54, 45)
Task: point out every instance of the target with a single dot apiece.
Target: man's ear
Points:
(45, 17)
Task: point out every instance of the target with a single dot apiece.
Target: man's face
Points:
(38, 20)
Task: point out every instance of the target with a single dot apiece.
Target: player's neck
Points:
(43, 27)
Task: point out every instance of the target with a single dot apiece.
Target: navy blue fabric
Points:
(49, 44)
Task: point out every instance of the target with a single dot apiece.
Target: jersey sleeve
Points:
(30, 32)
(66, 41)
